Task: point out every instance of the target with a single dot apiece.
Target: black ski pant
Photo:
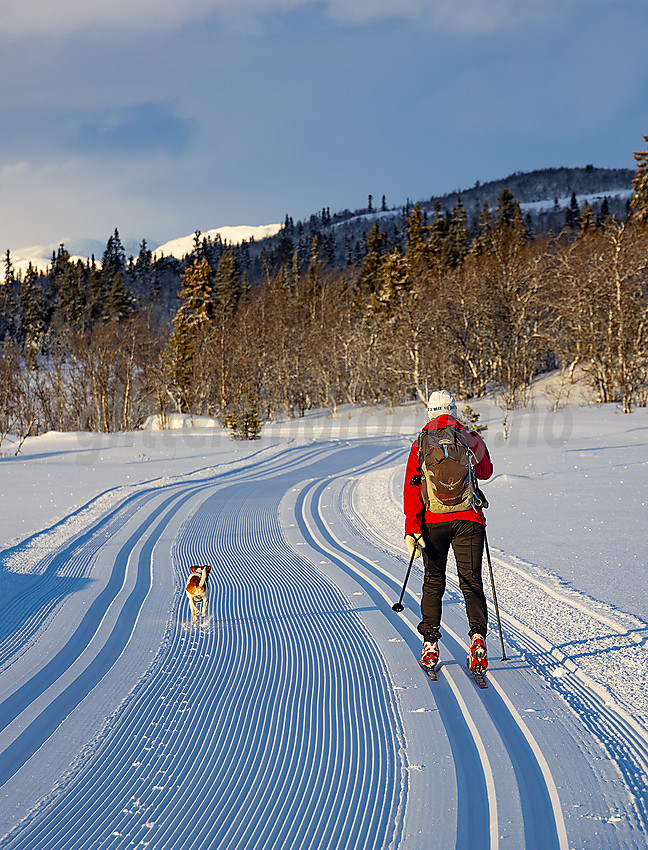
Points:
(467, 541)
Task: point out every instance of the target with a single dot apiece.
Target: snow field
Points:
(297, 709)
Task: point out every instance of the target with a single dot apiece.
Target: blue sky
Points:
(161, 118)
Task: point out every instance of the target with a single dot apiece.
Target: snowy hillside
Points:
(297, 710)
(230, 235)
(40, 256)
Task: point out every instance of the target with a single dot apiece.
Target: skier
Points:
(432, 526)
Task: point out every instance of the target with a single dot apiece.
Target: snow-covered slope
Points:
(297, 706)
(232, 235)
(40, 256)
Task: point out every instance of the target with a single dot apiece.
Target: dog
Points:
(198, 591)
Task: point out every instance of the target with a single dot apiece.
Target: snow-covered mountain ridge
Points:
(40, 256)
(542, 194)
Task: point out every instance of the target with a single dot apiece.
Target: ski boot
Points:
(477, 658)
(430, 656)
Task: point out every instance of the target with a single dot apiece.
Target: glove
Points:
(414, 541)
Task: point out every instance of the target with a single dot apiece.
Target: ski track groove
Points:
(280, 700)
(246, 668)
(541, 803)
(625, 740)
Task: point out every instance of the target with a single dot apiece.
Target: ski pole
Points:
(398, 606)
(490, 569)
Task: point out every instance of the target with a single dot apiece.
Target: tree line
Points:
(473, 307)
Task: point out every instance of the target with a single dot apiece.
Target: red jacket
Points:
(415, 515)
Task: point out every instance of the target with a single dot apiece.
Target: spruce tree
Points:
(573, 213)
(604, 212)
(32, 315)
(192, 317)
(395, 279)
(113, 260)
(457, 239)
(312, 283)
(144, 274)
(119, 302)
(639, 200)
(481, 242)
(227, 283)
(369, 279)
(506, 208)
(416, 249)
(438, 234)
(586, 220)
(7, 301)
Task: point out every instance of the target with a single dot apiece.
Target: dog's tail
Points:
(203, 572)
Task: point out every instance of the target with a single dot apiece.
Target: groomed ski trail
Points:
(278, 704)
(295, 715)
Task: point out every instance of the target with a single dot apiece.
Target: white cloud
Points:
(24, 18)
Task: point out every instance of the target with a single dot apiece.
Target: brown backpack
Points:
(447, 478)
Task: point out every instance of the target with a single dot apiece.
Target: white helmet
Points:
(441, 402)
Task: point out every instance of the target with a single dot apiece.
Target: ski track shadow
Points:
(600, 645)
(26, 598)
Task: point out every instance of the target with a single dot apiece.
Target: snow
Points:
(40, 256)
(232, 234)
(104, 677)
(565, 202)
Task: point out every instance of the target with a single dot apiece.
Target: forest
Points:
(476, 301)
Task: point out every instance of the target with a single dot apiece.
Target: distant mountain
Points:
(546, 184)
(179, 248)
(544, 195)
(40, 256)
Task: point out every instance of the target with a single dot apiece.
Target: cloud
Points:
(30, 18)
(143, 128)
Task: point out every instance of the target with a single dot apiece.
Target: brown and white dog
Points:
(198, 591)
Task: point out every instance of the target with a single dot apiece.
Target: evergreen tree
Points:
(312, 283)
(507, 207)
(438, 234)
(7, 301)
(369, 280)
(119, 302)
(604, 213)
(586, 220)
(509, 228)
(227, 283)
(97, 292)
(113, 260)
(293, 280)
(60, 261)
(639, 200)
(190, 320)
(70, 297)
(573, 213)
(395, 279)
(32, 315)
(457, 239)
(481, 242)
(144, 274)
(284, 251)
(112, 298)
(416, 249)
